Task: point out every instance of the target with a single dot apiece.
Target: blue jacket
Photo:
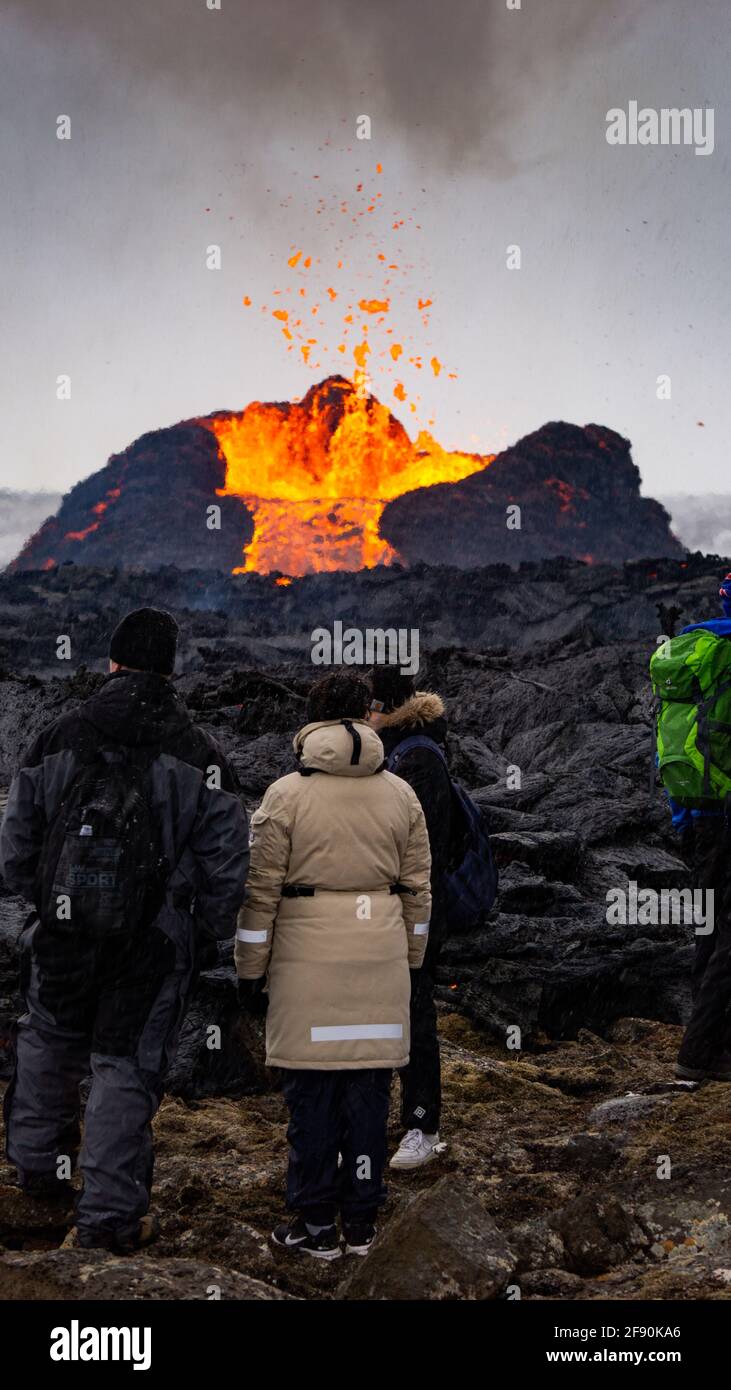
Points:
(682, 816)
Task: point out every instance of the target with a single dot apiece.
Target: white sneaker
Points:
(415, 1149)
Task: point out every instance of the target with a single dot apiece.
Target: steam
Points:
(701, 522)
(21, 514)
(449, 79)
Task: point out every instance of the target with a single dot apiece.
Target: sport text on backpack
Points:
(102, 852)
(472, 881)
(691, 678)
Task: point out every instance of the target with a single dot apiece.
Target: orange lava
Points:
(81, 535)
(317, 473)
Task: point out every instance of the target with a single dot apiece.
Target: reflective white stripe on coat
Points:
(243, 935)
(421, 928)
(347, 1032)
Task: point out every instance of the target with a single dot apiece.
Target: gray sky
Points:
(489, 125)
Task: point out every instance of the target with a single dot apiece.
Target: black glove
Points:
(253, 997)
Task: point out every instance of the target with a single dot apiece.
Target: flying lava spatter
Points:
(317, 473)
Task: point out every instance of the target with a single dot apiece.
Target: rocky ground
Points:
(550, 1188)
(249, 620)
(575, 1166)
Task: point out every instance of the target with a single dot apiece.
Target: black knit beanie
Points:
(146, 641)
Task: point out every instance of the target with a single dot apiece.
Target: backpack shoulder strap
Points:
(415, 741)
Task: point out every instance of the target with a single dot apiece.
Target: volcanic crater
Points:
(334, 482)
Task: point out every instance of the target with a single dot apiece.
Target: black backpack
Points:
(471, 881)
(102, 871)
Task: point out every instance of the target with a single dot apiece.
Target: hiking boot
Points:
(416, 1149)
(118, 1243)
(358, 1236)
(294, 1235)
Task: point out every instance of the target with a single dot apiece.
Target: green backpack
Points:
(691, 678)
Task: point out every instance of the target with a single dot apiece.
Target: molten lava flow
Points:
(81, 535)
(99, 508)
(317, 474)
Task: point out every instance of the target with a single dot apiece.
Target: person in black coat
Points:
(111, 1005)
(399, 711)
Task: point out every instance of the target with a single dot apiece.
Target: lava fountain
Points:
(317, 473)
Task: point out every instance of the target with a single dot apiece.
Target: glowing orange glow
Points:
(374, 306)
(317, 473)
(81, 535)
(283, 581)
(567, 495)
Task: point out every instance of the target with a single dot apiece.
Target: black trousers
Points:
(333, 1112)
(421, 1080)
(709, 1030)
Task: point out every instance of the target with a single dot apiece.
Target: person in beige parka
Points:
(337, 913)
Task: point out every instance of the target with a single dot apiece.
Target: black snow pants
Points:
(110, 1010)
(421, 1080)
(333, 1112)
(709, 1030)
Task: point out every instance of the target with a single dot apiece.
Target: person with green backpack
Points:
(691, 679)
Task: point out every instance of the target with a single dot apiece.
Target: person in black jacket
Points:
(112, 1004)
(399, 711)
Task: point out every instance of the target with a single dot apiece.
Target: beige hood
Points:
(330, 747)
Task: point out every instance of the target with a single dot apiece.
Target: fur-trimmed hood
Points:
(424, 707)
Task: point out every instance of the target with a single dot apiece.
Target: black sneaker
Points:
(358, 1236)
(294, 1235)
(718, 1069)
(686, 1073)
